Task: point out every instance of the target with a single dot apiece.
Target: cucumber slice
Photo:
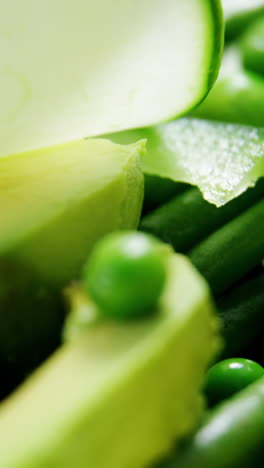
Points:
(83, 68)
(231, 435)
(120, 395)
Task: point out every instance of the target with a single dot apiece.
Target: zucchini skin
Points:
(218, 33)
(242, 314)
(187, 219)
(231, 436)
(229, 253)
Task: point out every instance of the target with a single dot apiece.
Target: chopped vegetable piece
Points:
(230, 376)
(125, 274)
(222, 159)
(83, 68)
(230, 436)
(119, 395)
(55, 204)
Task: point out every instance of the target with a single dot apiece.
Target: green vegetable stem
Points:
(242, 312)
(232, 251)
(187, 219)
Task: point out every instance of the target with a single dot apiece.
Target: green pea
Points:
(252, 45)
(230, 376)
(125, 274)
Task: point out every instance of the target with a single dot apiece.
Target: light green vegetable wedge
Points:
(120, 395)
(55, 204)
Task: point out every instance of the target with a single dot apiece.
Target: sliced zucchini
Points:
(83, 68)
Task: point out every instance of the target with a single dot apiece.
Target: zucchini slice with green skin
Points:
(55, 204)
(111, 65)
(229, 253)
(187, 219)
(120, 395)
(230, 437)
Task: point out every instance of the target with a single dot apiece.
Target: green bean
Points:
(232, 251)
(242, 313)
(187, 219)
(231, 435)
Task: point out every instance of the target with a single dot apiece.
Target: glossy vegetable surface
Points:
(230, 436)
(229, 253)
(125, 274)
(230, 376)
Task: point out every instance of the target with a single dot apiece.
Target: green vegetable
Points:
(239, 13)
(252, 43)
(221, 159)
(110, 66)
(159, 190)
(31, 318)
(238, 95)
(55, 204)
(58, 201)
(230, 376)
(232, 251)
(125, 274)
(241, 313)
(230, 436)
(187, 219)
(118, 396)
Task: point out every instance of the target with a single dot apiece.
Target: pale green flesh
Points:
(221, 159)
(58, 201)
(119, 396)
(83, 68)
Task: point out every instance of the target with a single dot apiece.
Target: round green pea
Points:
(126, 274)
(230, 376)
